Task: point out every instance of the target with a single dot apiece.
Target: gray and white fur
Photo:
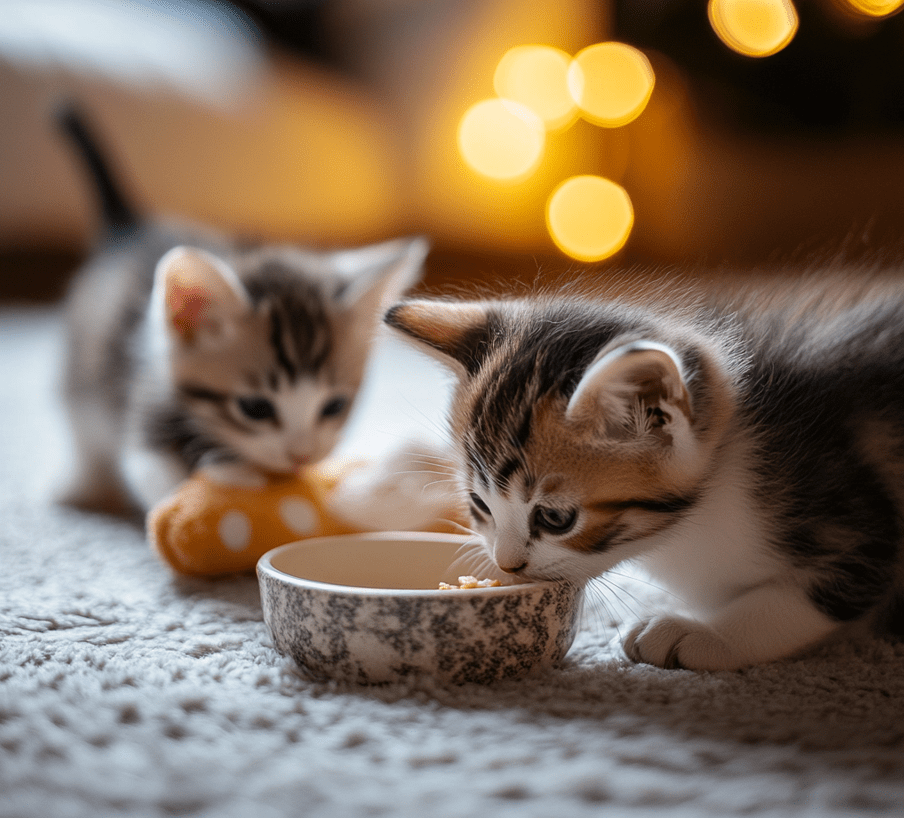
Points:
(190, 350)
(749, 454)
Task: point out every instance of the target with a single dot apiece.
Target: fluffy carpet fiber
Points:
(125, 691)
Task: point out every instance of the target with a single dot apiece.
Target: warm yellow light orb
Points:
(611, 83)
(589, 217)
(876, 8)
(501, 138)
(536, 76)
(755, 28)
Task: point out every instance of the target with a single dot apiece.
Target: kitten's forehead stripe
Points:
(279, 348)
(505, 472)
(301, 331)
(523, 433)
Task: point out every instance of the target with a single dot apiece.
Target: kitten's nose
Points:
(513, 569)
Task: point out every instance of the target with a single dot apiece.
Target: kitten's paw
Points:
(677, 642)
(97, 496)
(408, 489)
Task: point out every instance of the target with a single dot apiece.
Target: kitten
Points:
(751, 459)
(188, 350)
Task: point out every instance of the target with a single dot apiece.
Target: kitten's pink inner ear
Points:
(186, 304)
(199, 291)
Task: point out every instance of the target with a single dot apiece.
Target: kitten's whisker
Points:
(426, 421)
(619, 592)
(604, 593)
(455, 524)
(443, 474)
(471, 556)
(437, 458)
(444, 481)
(596, 611)
(429, 468)
(481, 463)
(599, 616)
(428, 460)
(649, 583)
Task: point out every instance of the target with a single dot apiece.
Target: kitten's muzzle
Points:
(516, 569)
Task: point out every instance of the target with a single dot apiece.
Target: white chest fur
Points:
(720, 549)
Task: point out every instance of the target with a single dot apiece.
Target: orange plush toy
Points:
(207, 528)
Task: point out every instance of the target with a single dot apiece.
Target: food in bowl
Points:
(470, 582)
(366, 608)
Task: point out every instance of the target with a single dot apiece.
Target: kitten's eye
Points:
(554, 520)
(480, 505)
(334, 407)
(257, 408)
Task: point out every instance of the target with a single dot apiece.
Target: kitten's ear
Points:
(457, 333)
(374, 276)
(641, 374)
(197, 293)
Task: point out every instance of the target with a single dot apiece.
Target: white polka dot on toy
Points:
(299, 515)
(235, 530)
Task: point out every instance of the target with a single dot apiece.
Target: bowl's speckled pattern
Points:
(320, 612)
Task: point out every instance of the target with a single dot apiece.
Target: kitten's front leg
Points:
(764, 624)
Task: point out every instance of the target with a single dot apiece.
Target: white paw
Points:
(677, 642)
(409, 489)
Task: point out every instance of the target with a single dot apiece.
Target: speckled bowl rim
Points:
(265, 566)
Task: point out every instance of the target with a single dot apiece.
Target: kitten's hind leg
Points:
(767, 623)
(97, 488)
(96, 482)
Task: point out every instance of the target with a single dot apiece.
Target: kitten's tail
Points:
(119, 216)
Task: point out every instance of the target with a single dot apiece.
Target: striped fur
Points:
(189, 350)
(748, 452)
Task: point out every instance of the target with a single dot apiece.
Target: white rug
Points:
(124, 691)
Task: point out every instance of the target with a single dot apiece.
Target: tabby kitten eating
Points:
(750, 458)
(188, 350)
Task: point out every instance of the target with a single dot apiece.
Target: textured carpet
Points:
(124, 691)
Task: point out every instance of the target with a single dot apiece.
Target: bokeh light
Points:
(611, 83)
(501, 138)
(589, 217)
(875, 8)
(754, 28)
(536, 76)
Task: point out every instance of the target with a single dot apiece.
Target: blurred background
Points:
(714, 135)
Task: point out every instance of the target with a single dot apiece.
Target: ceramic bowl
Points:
(366, 608)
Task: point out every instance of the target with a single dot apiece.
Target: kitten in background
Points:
(189, 350)
(749, 454)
